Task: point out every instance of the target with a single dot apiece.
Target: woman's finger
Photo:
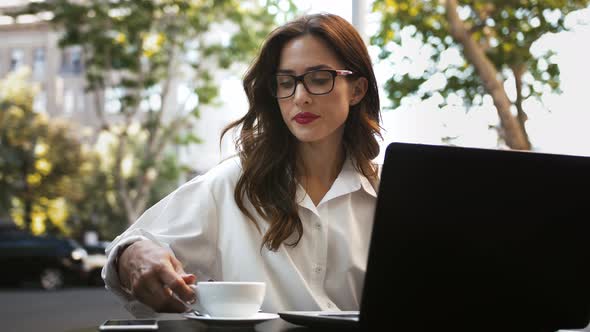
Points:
(176, 283)
(159, 297)
(179, 282)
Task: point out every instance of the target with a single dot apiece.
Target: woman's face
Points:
(314, 118)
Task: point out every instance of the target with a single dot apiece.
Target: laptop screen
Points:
(479, 239)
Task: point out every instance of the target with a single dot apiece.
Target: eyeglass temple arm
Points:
(343, 72)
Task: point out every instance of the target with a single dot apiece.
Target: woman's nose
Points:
(301, 94)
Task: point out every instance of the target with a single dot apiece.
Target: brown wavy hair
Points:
(266, 146)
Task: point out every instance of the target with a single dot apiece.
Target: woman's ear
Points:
(358, 91)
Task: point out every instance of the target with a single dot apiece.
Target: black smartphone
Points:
(129, 324)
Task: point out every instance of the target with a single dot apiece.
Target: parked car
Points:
(48, 261)
(94, 261)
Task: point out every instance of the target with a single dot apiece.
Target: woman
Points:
(295, 209)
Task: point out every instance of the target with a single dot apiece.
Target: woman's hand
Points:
(152, 273)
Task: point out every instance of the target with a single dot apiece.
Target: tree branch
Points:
(518, 71)
(514, 136)
(121, 186)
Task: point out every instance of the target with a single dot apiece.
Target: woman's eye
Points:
(319, 81)
(286, 84)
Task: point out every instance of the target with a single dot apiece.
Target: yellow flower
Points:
(17, 217)
(390, 3)
(34, 179)
(16, 203)
(43, 166)
(57, 210)
(17, 88)
(17, 212)
(389, 35)
(121, 38)
(38, 222)
(16, 112)
(41, 149)
(152, 43)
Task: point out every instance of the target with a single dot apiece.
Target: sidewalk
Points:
(57, 311)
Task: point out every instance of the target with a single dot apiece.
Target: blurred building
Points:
(30, 41)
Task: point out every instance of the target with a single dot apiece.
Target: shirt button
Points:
(317, 225)
(318, 269)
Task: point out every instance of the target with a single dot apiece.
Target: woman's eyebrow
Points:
(289, 71)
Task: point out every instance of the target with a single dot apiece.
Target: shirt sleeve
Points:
(184, 222)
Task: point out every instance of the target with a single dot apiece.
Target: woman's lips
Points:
(305, 118)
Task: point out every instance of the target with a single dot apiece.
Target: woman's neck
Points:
(318, 166)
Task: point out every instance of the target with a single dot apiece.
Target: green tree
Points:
(39, 161)
(136, 52)
(98, 209)
(494, 39)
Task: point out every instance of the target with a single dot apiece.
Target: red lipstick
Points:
(305, 117)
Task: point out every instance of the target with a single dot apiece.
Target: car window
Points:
(17, 243)
(14, 235)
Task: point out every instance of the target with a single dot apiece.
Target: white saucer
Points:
(256, 318)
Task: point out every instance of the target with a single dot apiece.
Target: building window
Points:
(71, 61)
(17, 58)
(40, 102)
(77, 60)
(69, 101)
(80, 100)
(39, 62)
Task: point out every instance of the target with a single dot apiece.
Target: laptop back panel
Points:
(479, 239)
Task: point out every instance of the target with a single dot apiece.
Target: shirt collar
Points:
(349, 180)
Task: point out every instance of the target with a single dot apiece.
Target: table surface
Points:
(189, 325)
(276, 325)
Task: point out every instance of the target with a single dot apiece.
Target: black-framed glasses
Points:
(316, 82)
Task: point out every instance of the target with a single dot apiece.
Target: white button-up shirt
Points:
(202, 225)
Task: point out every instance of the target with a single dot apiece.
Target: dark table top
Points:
(189, 325)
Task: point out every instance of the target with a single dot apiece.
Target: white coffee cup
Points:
(229, 298)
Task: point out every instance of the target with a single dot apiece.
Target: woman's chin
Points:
(306, 138)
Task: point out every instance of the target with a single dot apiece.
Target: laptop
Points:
(475, 239)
